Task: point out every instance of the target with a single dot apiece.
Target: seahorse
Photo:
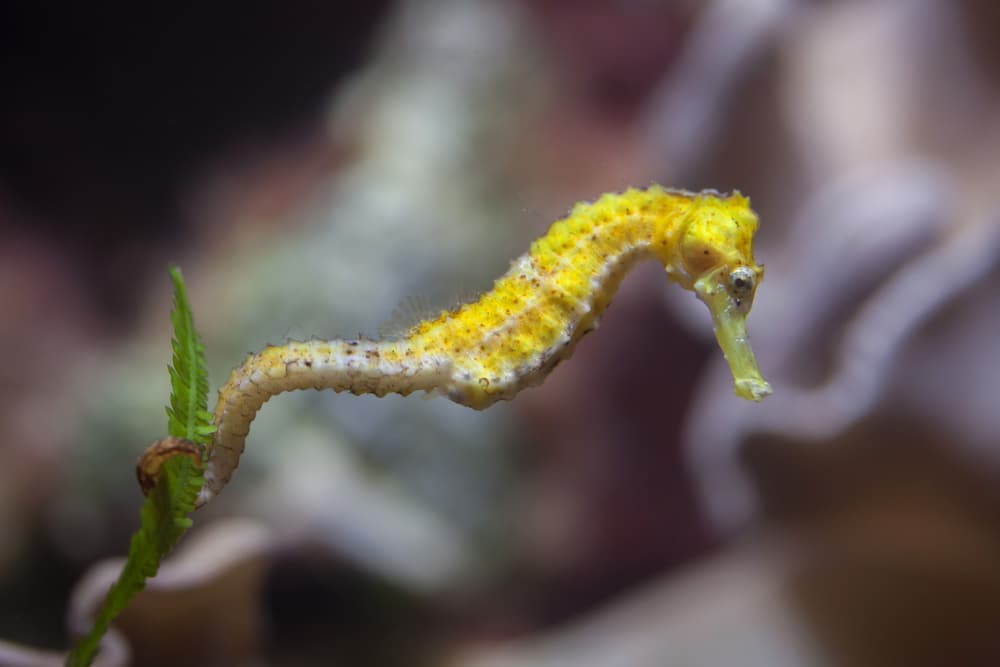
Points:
(515, 334)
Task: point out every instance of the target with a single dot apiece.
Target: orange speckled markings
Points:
(516, 333)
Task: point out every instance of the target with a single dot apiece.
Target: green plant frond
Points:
(164, 515)
(187, 414)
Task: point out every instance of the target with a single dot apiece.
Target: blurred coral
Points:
(202, 608)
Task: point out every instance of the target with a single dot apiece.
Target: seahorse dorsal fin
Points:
(414, 309)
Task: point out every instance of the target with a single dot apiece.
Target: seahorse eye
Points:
(741, 282)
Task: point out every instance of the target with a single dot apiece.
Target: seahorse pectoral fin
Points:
(729, 319)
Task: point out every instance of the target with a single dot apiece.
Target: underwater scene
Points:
(485, 333)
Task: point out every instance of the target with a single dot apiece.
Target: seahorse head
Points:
(714, 258)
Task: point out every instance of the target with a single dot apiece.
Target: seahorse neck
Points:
(598, 244)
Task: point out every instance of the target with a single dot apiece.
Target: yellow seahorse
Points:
(516, 333)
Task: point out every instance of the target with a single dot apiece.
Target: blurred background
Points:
(311, 166)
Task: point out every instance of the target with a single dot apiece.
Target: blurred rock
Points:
(202, 608)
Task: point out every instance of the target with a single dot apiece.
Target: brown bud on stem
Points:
(147, 470)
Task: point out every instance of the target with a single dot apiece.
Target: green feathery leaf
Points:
(187, 415)
(164, 515)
